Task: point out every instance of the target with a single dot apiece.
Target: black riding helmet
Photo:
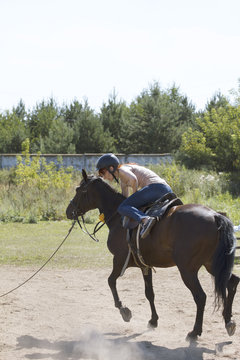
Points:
(107, 160)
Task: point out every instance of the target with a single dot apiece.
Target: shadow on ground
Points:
(108, 346)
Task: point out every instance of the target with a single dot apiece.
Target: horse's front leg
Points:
(153, 322)
(112, 281)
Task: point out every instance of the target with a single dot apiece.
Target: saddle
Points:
(161, 206)
(157, 209)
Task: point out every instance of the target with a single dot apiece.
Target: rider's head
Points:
(107, 163)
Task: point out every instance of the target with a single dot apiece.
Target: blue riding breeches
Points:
(148, 194)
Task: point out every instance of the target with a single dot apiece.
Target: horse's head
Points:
(84, 200)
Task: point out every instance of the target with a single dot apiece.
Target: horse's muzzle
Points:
(72, 211)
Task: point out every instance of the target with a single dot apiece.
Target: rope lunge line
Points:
(17, 287)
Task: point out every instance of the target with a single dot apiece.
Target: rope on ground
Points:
(17, 287)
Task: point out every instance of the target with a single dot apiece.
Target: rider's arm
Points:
(128, 179)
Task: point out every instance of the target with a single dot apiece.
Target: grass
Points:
(32, 244)
(26, 240)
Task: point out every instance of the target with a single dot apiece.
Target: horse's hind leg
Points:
(153, 322)
(227, 311)
(191, 281)
(227, 304)
(112, 281)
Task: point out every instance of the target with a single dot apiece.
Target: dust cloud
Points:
(74, 318)
(91, 344)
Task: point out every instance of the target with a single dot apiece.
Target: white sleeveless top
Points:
(136, 176)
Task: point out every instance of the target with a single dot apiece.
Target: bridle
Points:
(76, 214)
(82, 226)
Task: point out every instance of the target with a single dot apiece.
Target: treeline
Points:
(157, 121)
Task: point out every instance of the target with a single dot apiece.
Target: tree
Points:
(157, 120)
(59, 139)
(89, 134)
(72, 112)
(12, 132)
(194, 152)
(236, 94)
(219, 131)
(39, 123)
(20, 111)
(115, 118)
(218, 100)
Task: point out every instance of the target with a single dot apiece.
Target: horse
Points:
(188, 236)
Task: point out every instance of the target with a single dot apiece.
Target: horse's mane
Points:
(105, 184)
(109, 187)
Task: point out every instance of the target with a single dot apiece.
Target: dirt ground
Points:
(70, 315)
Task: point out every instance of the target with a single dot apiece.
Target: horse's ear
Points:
(84, 174)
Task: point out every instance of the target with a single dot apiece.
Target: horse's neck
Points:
(109, 201)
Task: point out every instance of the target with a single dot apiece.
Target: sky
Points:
(86, 50)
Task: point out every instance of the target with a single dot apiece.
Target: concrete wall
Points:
(88, 161)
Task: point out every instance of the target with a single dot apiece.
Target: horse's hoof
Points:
(126, 314)
(231, 327)
(191, 337)
(152, 324)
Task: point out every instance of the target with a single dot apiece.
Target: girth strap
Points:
(137, 256)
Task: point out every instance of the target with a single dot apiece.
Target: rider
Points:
(151, 187)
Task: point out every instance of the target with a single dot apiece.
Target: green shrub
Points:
(34, 190)
(185, 182)
(203, 187)
(37, 173)
(25, 201)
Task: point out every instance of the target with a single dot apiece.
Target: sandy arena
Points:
(70, 315)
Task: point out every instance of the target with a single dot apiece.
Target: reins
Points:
(97, 227)
(85, 230)
(17, 287)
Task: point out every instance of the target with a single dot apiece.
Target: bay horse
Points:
(189, 237)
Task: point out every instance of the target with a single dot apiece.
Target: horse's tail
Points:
(223, 258)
